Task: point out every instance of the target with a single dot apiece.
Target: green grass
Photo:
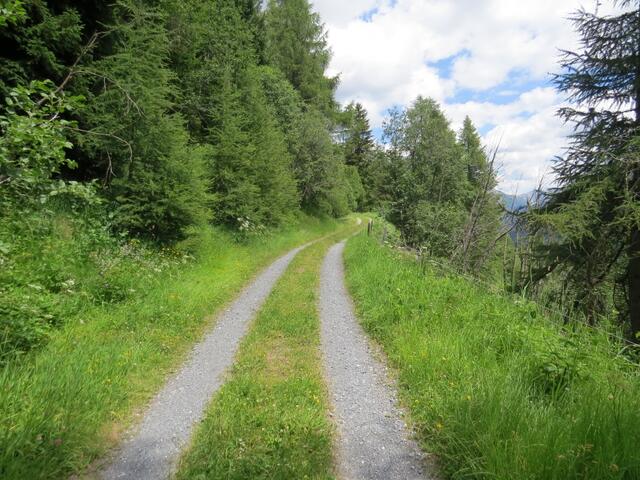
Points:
(62, 406)
(494, 388)
(269, 421)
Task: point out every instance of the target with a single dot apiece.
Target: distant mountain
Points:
(516, 202)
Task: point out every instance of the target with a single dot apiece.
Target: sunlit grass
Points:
(269, 421)
(63, 406)
(495, 389)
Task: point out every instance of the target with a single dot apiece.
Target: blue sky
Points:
(489, 59)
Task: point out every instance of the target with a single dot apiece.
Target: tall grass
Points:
(65, 404)
(494, 388)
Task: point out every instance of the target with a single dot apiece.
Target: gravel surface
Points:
(152, 449)
(373, 440)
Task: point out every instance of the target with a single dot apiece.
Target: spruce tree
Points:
(358, 149)
(593, 213)
(39, 46)
(482, 226)
(358, 137)
(224, 98)
(474, 156)
(296, 43)
(134, 143)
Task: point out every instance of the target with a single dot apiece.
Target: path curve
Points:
(152, 450)
(373, 441)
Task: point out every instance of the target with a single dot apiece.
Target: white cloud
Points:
(389, 60)
(339, 12)
(527, 146)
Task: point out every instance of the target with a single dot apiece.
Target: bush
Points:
(26, 317)
(58, 261)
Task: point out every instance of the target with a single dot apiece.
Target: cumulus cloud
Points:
(489, 60)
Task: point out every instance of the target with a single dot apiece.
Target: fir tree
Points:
(593, 214)
(138, 147)
(296, 43)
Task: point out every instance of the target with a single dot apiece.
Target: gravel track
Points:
(373, 441)
(152, 449)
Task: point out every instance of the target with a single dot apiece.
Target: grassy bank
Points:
(269, 420)
(65, 404)
(495, 389)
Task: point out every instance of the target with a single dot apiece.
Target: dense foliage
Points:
(135, 134)
(145, 119)
(439, 186)
(586, 236)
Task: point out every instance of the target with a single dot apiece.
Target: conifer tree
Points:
(249, 168)
(39, 46)
(358, 137)
(358, 150)
(593, 214)
(474, 156)
(482, 226)
(296, 43)
(134, 143)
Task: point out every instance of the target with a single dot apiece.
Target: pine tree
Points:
(593, 214)
(296, 43)
(134, 143)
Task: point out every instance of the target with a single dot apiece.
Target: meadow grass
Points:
(269, 421)
(64, 405)
(495, 389)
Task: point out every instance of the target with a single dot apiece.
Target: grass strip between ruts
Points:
(270, 418)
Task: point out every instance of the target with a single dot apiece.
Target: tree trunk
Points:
(634, 284)
(633, 269)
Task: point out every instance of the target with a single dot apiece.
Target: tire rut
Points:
(373, 441)
(152, 449)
